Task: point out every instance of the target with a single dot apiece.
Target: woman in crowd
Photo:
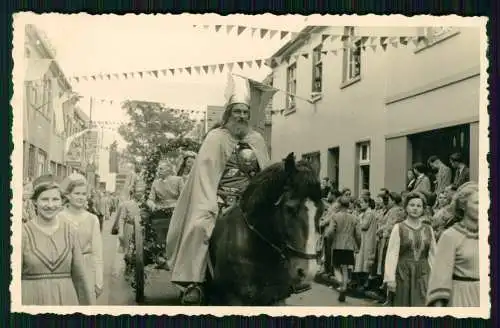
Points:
(165, 191)
(381, 208)
(342, 232)
(454, 278)
(326, 240)
(129, 212)
(186, 165)
(409, 254)
(422, 181)
(53, 268)
(411, 178)
(367, 229)
(442, 213)
(87, 226)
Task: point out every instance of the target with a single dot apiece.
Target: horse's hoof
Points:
(341, 297)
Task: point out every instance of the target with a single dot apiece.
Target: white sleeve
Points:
(97, 253)
(392, 257)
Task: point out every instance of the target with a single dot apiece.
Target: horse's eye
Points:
(292, 207)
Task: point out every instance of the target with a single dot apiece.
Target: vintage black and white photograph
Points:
(288, 165)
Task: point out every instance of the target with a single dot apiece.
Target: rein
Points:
(286, 250)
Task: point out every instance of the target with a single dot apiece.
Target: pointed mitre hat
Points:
(237, 92)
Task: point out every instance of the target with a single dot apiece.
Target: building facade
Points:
(47, 121)
(372, 113)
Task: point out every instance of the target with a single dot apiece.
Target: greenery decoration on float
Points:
(154, 249)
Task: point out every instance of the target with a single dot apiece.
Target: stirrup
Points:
(190, 288)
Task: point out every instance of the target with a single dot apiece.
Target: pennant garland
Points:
(349, 42)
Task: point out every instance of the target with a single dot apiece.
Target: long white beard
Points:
(237, 129)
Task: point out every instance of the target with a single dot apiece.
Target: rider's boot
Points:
(193, 295)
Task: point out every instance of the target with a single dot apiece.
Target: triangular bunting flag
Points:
(93, 77)
(305, 55)
(263, 32)
(164, 72)
(85, 78)
(364, 39)
(197, 69)
(383, 42)
(403, 40)
(230, 66)
(217, 28)
(172, 71)
(205, 69)
(334, 51)
(324, 37)
(344, 38)
(77, 79)
(229, 28)
(272, 33)
(268, 62)
(249, 63)
(283, 34)
(221, 67)
(206, 27)
(294, 35)
(213, 68)
(180, 70)
(241, 29)
(259, 63)
(116, 76)
(372, 39)
(324, 52)
(141, 74)
(334, 37)
(373, 46)
(253, 31)
(295, 57)
(125, 75)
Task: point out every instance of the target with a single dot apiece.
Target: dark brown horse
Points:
(266, 244)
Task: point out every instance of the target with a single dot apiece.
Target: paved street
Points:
(159, 290)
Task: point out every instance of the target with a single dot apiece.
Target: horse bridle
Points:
(287, 250)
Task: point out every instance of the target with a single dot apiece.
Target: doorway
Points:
(441, 143)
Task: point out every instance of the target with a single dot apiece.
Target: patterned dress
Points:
(409, 254)
(454, 277)
(87, 226)
(240, 168)
(53, 269)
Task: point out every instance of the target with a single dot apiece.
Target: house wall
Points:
(401, 91)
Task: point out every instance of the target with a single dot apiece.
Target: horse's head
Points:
(298, 210)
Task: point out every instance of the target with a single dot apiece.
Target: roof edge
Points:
(299, 40)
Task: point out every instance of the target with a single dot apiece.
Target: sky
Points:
(88, 45)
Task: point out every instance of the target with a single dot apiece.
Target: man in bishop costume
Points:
(229, 156)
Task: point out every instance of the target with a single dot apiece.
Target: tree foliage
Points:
(151, 124)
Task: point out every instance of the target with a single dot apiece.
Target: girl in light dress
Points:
(454, 278)
(53, 268)
(87, 225)
(409, 255)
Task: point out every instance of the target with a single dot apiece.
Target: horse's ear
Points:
(290, 163)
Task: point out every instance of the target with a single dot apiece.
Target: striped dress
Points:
(454, 278)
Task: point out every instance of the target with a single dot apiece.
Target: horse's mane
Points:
(267, 186)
